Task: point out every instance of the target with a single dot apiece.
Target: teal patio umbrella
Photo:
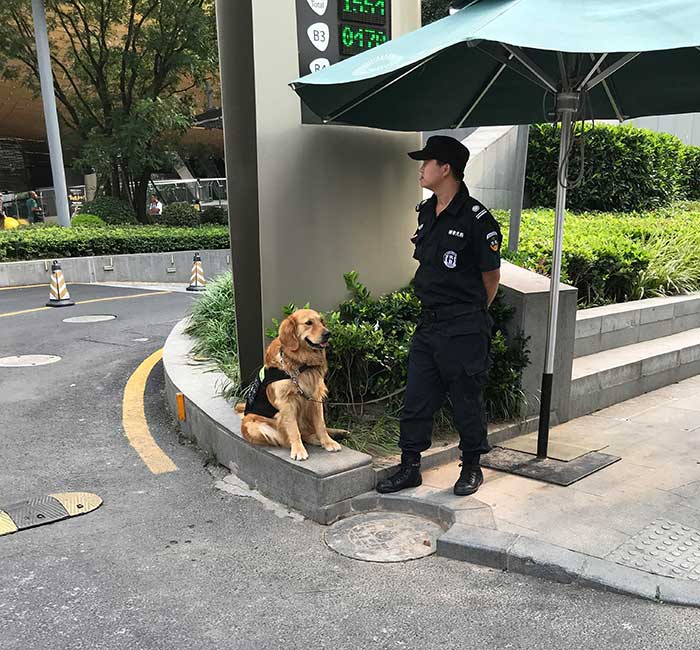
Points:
(503, 62)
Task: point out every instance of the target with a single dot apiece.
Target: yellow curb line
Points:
(85, 302)
(33, 286)
(134, 419)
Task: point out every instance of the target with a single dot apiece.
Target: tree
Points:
(122, 70)
(432, 10)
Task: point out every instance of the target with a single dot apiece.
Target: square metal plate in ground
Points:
(664, 547)
(546, 469)
(555, 450)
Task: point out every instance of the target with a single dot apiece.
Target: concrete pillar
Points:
(307, 203)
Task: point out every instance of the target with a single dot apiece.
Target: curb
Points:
(471, 536)
(321, 488)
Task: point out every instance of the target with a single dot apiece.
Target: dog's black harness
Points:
(257, 401)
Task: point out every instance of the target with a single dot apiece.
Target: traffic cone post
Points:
(58, 291)
(197, 281)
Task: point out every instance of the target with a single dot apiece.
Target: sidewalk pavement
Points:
(633, 527)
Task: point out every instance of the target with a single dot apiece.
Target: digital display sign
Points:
(329, 31)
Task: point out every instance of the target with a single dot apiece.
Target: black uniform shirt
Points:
(453, 249)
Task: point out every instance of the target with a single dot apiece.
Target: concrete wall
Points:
(686, 127)
(141, 267)
(331, 199)
(528, 294)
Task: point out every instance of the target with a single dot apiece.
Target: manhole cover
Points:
(27, 360)
(383, 537)
(90, 318)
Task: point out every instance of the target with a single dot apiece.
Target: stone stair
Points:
(625, 350)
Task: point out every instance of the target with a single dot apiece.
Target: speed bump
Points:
(46, 510)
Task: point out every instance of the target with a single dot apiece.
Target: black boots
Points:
(408, 476)
(470, 478)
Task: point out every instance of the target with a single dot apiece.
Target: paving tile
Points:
(669, 416)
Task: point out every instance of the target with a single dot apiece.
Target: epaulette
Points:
(479, 210)
(421, 204)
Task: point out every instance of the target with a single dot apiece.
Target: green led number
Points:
(362, 38)
(372, 7)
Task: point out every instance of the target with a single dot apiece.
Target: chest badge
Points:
(449, 259)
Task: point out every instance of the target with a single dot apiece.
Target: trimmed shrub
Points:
(179, 214)
(215, 214)
(626, 169)
(690, 173)
(111, 210)
(616, 257)
(40, 243)
(87, 221)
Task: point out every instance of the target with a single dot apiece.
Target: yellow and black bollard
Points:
(197, 281)
(58, 291)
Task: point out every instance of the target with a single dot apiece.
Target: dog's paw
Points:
(299, 453)
(332, 445)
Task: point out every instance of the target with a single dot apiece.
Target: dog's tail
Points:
(240, 407)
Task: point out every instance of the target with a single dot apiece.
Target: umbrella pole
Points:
(567, 105)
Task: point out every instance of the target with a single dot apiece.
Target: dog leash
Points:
(294, 376)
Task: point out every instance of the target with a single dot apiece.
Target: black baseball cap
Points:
(446, 150)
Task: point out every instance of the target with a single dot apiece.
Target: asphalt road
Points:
(171, 562)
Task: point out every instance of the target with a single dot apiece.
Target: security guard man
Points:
(458, 246)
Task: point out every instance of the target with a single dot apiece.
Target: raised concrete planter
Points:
(528, 294)
(613, 326)
(321, 488)
(142, 267)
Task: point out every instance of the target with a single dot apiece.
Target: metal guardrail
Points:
(209, 191)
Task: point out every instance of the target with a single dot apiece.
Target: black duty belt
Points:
(450, 311)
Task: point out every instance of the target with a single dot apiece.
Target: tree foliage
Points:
(122, 71)
(432, 10)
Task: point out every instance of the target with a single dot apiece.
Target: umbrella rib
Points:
(481, 95)
(525, 74)
(593, 70)
(531, 66)
(606, 87)
(373, 91)
(622, 61)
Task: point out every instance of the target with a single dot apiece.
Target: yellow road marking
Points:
(32, 286)
(85, 302)
(134, 419)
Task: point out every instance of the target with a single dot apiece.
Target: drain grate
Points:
(28, 360)
(664, 547)
(383, 537)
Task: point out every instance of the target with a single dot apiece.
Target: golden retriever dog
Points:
(286, 407)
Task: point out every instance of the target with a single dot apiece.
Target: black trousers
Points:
(447, 356)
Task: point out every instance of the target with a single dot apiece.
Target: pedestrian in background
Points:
(35, 212)
(155, 207)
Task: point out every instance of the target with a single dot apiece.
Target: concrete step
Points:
(614, 326)
(606, 378)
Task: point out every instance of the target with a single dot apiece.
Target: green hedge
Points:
(87, 220)
(40, 243)
(690, 173)
(616, 257)
(626, 169)
(111, 210)
(179, 214)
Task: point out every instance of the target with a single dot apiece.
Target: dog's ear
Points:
(288, 334)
